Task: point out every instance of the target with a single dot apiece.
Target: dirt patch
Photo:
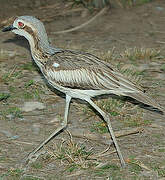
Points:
(75, 157)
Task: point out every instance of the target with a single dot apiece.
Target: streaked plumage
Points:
(77, 74)
(83, 72)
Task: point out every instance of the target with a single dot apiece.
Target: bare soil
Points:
(139, 26)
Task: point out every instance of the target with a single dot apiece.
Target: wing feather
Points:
(85, 71)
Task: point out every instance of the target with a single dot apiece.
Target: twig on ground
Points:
(22, 142)
(161, 42)
(94, 137)
(101, 155)
(128, 131)
(84, 24)
(31, 177)
(78, 173)
(12, 71)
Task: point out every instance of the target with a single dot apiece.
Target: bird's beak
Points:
(8, 28)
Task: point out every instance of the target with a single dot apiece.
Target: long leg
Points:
(106, 118)
(63, 125)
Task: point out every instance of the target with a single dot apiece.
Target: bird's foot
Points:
(32, 157)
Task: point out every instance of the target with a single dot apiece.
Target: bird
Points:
(77, 74)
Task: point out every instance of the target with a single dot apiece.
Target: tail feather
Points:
(143, 98)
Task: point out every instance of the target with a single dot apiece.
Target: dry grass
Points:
(129, 3)
(135, 53)
(70, 153)
(5, 54)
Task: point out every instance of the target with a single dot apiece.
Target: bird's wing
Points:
(85, 71)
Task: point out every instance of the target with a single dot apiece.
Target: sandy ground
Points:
(140, 26)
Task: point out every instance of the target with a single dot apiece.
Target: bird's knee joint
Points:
(63, 124)
(107, 117)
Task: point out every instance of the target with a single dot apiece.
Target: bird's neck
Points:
(41, 49)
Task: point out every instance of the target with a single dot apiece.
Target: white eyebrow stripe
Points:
(55, 65)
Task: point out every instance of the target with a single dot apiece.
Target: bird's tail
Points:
(148, 101)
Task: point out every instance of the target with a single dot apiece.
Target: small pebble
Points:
(159, 8)
(36, 129)
(31, 106)
(38, 79)
(9, 135)
(55, 120)
(14, 137)
(10, 117)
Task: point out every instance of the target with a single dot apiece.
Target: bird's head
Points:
(34, 31)
(31, 28)
(27, 26)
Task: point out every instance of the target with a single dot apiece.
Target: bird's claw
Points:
(32, 157)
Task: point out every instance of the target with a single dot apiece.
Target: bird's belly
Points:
(78, 93)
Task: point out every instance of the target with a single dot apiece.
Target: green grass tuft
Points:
(37, 165)
(15, 112)
(12, 174)
(99, 127)
(4, 96)
(28, 66)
